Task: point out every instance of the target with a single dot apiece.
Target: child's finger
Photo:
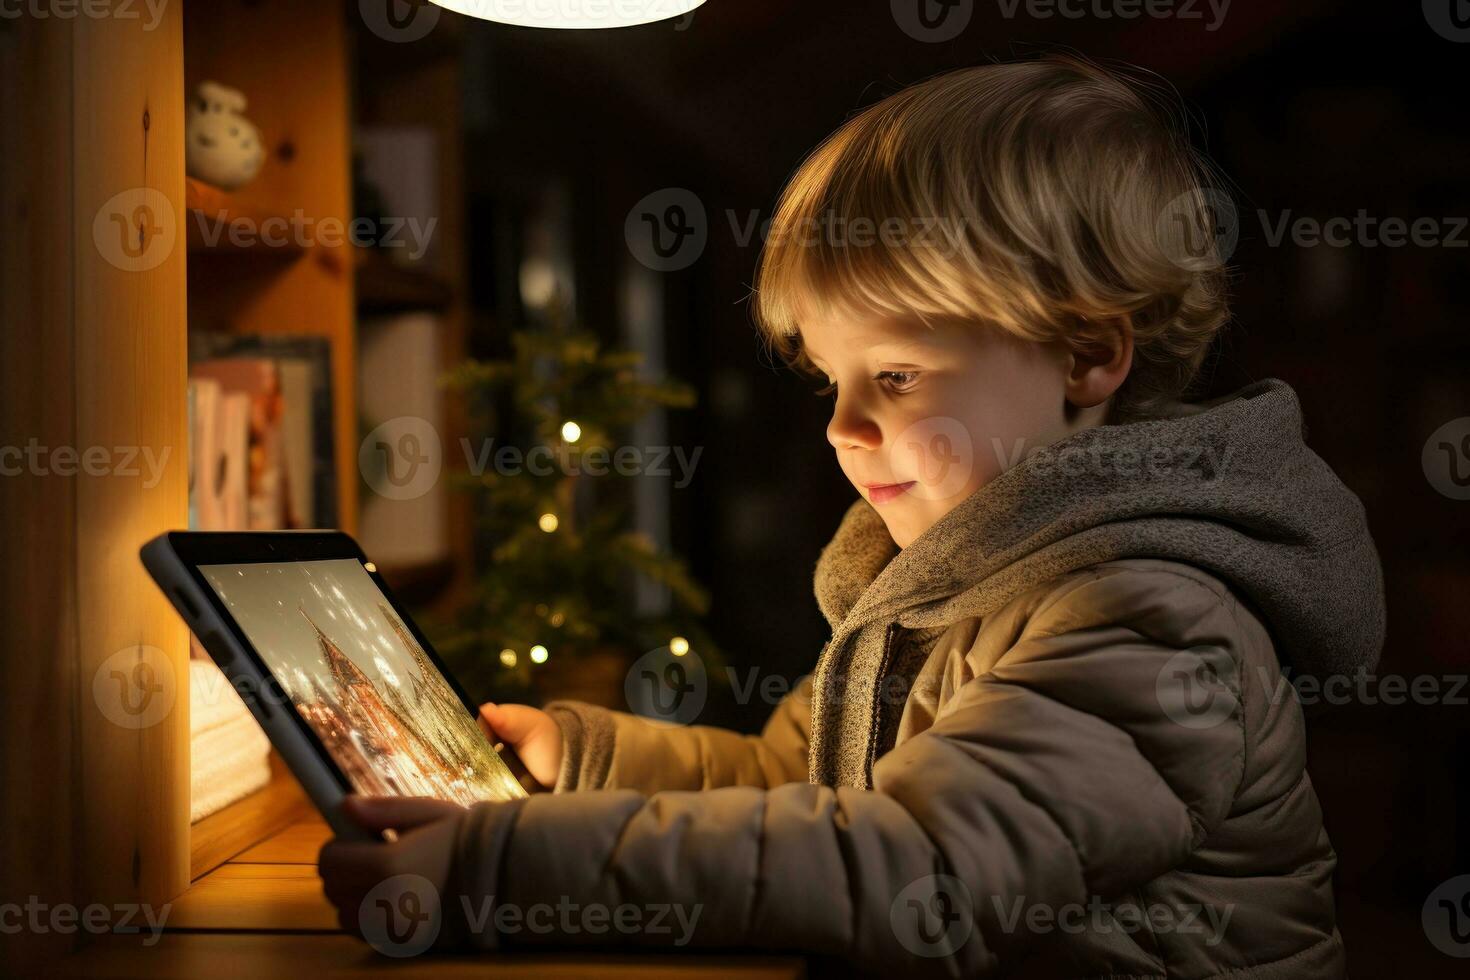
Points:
(511, 723)
(378, 813)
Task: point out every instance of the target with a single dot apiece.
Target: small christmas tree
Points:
(559, 564)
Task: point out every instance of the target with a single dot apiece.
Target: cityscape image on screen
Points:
(357, 676)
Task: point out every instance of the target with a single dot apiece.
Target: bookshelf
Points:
(294, 271)
(272, 258)
(297, 70)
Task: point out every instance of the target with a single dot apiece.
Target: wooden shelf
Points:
(264, 913)
(277, 897)
(224, 221)
(186, 955)
(384, 286)
(296, 75)
(241, 825)
(299, 843)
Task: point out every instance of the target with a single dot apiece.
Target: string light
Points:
(571, 431)
(678, 646)
(508, 657)
(549, 522)
(538, 654)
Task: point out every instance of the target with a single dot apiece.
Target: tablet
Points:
(347, 688)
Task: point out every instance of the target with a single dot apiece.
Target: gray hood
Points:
(1229, 486)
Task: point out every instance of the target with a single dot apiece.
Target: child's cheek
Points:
(938, 452)
(946, 451)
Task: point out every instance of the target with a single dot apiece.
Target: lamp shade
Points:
(572, 14)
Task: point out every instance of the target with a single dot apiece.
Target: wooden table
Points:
(262, 914)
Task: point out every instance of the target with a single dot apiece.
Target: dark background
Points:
(1312, 108)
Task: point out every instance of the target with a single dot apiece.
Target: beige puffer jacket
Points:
(1049, 738)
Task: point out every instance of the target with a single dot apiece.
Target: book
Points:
(306, 453)
(253, 386)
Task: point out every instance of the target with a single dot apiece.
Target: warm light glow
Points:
(678, 646)
(571, 431)
(548, 523)
(508, 657)
(370, 566)
(538, 654)
(538, 282)
(572, 14)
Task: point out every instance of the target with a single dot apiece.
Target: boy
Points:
(1048, 735)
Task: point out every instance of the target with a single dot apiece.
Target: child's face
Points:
(924, 416)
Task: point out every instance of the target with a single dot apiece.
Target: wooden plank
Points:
(274, 897)
(40, 697)
(297, 844)
(243, 824)
(225, 956)
(92, 366)
(130, 382)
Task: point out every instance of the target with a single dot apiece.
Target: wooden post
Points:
(93, 461)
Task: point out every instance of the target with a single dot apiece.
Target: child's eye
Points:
(898, 380)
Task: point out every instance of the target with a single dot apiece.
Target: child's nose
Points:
(852, 428)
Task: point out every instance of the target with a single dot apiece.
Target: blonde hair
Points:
(1041, 197)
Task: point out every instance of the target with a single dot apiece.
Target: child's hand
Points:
(392, 893)
(531, 732)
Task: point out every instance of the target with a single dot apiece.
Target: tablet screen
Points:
(357, 676)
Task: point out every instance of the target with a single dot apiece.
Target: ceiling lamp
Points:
(572, 14)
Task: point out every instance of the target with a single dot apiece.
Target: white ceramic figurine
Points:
(222, 146)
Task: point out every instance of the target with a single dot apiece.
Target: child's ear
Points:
(1098, 364)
